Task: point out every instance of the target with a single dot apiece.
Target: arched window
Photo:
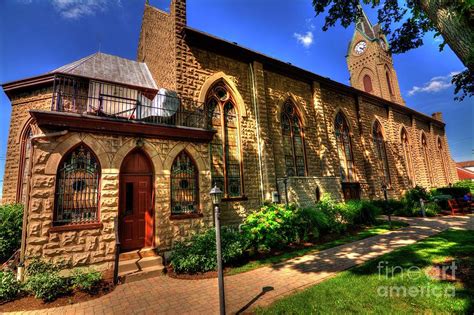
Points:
(367, 83)
(344, 148)
(407, 156)
(389, 82)
(379, 144)
(184, 185)
(24, 166)
(443, 160)
(226, 168)
(77, 187)
(426, 157)
(293, 145)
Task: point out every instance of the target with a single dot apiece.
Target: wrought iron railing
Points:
(89, 97)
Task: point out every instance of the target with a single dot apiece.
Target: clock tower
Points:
(370, 62)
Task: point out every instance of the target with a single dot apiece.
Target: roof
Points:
(464, 174)
(110, 68)
(99, 66)
(465, 164)
(364, 26)
(227, 48)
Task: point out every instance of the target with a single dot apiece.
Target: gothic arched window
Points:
(24, 166)
(184, 185)
(379, 144)
(226, 167)
(426, 157)
(389, 82)
(407, 156)
(367, 83)
(344, 148)
(293, 143)
(443, 160)
(77, 187)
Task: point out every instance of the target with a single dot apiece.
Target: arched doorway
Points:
(136, 201)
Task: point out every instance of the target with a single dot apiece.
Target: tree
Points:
(406, 24)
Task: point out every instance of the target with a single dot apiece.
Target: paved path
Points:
(164, 295)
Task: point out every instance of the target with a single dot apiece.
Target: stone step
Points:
(145, 264)
(137, 254)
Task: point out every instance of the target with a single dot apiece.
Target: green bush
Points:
(310, 223)
(466, 184)
(361, 212)
(10, 288)
(198, 254)
(271, 227)
(413, 196)
(456, 192)
(432, 209)
(37, 266)
(48, 286)
(11, 217)
(332, 211)
(86, 280)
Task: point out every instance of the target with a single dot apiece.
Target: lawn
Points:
(403, 281)
(381, 227)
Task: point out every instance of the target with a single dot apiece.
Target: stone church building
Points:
(145, 140)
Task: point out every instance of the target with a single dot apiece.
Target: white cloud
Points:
(306, 40)
(434, 85)
(75, 9)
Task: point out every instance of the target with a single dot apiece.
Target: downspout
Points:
(21, 264)
(257, 122)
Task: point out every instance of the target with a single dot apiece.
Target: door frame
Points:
(151, 175)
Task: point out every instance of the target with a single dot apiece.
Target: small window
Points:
(184, 185)
(443, 160)
(407, 156)
(24, 167)
(367, 84)
(129, 198)
(344, 148)
(426, 156)
(77, 187)
(389, 82)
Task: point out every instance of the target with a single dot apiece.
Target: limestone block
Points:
(91, 243)
(50, 252)
(34, 228)
(36, 206)
(93, 232)
(75, 249)
(37, 240)
(68, 238)
(43, 181)
(80, 259)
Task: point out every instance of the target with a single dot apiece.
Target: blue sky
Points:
(40, 35)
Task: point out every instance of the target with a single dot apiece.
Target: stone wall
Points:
(303, 190)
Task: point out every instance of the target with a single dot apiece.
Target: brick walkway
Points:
(164, 295)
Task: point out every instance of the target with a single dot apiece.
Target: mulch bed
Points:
(30, 303)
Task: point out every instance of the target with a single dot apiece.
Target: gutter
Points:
(21, 264)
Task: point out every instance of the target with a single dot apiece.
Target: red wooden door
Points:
(136, 202)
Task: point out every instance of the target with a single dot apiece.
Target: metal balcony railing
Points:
(89, 97)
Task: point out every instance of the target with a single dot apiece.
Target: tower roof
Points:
(364, 26)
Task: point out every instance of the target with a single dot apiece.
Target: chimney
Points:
(438, 116)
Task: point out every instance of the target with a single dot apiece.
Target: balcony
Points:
(94, 106)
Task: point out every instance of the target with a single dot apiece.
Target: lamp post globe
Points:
(216, 195)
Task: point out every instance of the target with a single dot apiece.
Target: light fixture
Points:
(216, 195)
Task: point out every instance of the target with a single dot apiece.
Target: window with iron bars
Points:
(77, 188)
(184, 185)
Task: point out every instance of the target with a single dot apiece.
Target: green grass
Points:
(362, 290)
(380, 228)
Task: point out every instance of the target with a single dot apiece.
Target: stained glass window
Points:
(77, 187)
(184, 185)
(407, 156)
(344, 148)
(381, 153)
(367, 83)
(225, 146)
(293, 144)
(443, 160)
(24, 165)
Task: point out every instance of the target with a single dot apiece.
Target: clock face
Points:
(360, 47)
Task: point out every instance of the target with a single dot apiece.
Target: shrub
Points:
(37, 266)
(413, 196)
(466, 184)
(456, 192)
(11, 218)
(432, 209)
(309, 223)
(48, 286)
(332, 211)
(362, 212)
(271, 227)
(86, 280)
(10, 288)
(198, 254)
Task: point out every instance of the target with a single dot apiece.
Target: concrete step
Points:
(136, 254)
(131, 265)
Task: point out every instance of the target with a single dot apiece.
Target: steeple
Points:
(370, 62)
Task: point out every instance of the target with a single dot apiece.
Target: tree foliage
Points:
(406, 23)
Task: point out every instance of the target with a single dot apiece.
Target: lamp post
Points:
(389, 213)
(285, 182)
(216, 196)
